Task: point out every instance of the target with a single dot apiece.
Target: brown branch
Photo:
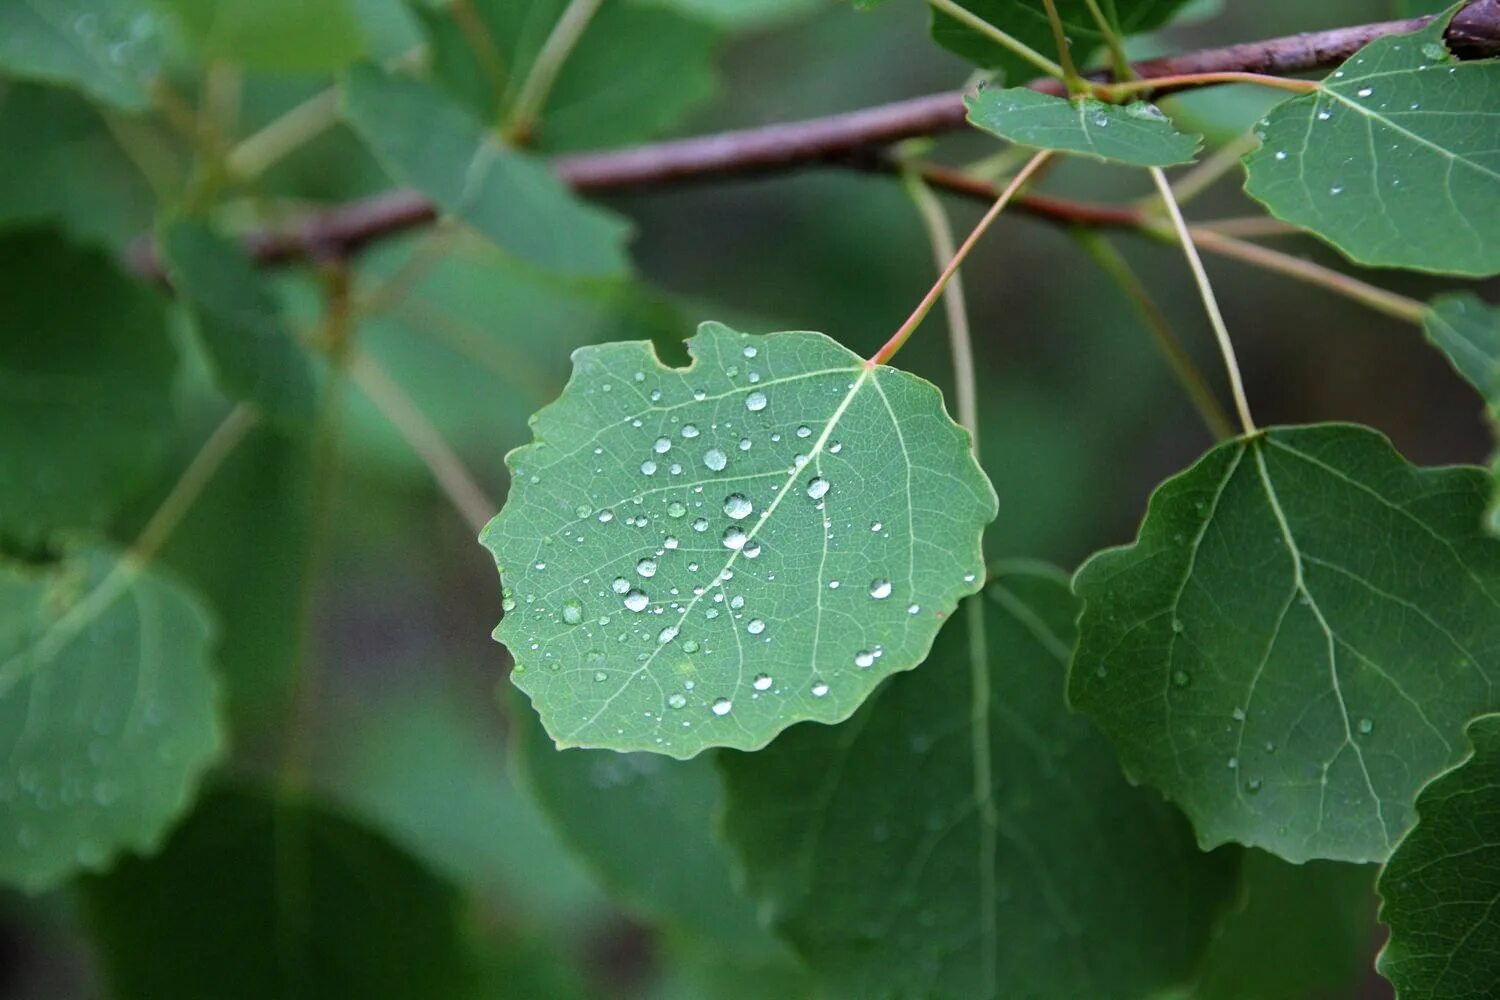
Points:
(847, 139)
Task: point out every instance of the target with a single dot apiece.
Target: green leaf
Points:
(254, 897)
(509, 196)
(107, 713)
(62, 166)
(1439, 890)
(644, 825)
(109, 49)
(1295, 641)
(253, 353)
(739, 15)
(637, 69)
(1026, 21)
(1301, 931)
(1467, 330)
(276, 36)
(1393, 160)
(86, 367)
(1136, 134)
(703, 556)
(896, 871)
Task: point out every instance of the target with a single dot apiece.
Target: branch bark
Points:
(852, 139)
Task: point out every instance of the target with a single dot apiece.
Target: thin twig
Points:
(549, 61)
(448, 470)
(969, 19)
(1210, 302)
(1064, 50)
(1191, 378)
(1183, 81)
(903, 334)
(179, 500)
(255, 154)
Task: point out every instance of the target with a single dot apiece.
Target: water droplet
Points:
(1365, 91)
(1434, 50)
(912, 609)
(1238, 714)
(689, 431)
(734, 538)
(646, 567)
(804, 431)
(667, 634)
(752, 550)
(676, 700)
(817, 487)
(1281, 154)
(755, 402)
(1366, 727)
(1233, 763)
(600, 677)
(755, 626)
(750, 352)
(876, 526)
(1181, 678)
(880, 589)
(662, 446)
(1324, 115)
(864, 658)
(721, 706)
(700, 524)
(819, 689)
(648, 467)
(715, 459)
(690, 646)
(1336, 189)
(637, 600)
(1252, 786)
(762, 682)
(737, 601)
(606, 516)
(737, 506)
(572, 613)
(1177, 625)
(676, 508)
(669, 543)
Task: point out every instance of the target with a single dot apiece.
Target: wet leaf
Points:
(1295, 641)
(1136, 134)
(702, 556)
(1393, 160)
(109, 49)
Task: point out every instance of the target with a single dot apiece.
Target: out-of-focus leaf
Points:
(897, 870)
(61, 166)
(741, 14)
(509, 196)
(703, 556)
(254, 898)
(1467, 330)
(1301, 931)
(286, 36)
(432, 777)
(644, 824)
(1136, 134)
(1439, 889)
(1393, 160)
(1293, 644)
(108, 712)
(86, 367)
(253, 353)
(109, 49)
(1026, 20)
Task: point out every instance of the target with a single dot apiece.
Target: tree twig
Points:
(843, 139)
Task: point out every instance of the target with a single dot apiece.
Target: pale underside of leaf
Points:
(1395, 159)
(109, 713)
(700, 557)
(1296, 640)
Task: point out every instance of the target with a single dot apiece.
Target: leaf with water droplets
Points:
(1137, 134)
(108, 713)
(694, 581)
(109, 49)
(895, 871)
(1393, 160)
(511, 197)
(1295, 641)
(1440, 888)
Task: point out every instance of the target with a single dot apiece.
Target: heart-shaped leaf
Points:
(1394, 159)
(108, 713)
(703, 556)
(1294, 643)
(1137, 134)
(1439, 890)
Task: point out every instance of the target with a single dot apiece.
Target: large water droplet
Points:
(648, 467)
(700, 524)
(755, 626)
(689, 431)
(762, 682)
(667, 634)
(637, 600)
(620, 585)
(737, 506)
(755, 402)
(721, 706)
(734, 538)
(864, 658)
(646, 567)
(662, 446)
(715, 459)
(817, 487)
(880, 589)
(819, 689)
(676, 508)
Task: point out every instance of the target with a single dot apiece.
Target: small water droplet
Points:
(689, 431)
(1365, 91)
(737, 506)
(721, 706)
(1324, 115)
(646, 567)
(1238, 714)
(755, 402)
(912, 609)
(1281, 154)
(606, 516)
(880, 589)
(676, 700)
(715, 459)
(572, 613)
(1252, 786)
(667, 634)
(1181, 678)
(1177, 625)
(737, 601)
(762, 682)
(804, 431)
(734, 538)
(648, 467)
(819, 689)
(751, 352)
(864, 658)
(690, 646)
(755, 626)
(1336, 189)
(700, 524)
(676, 508)
(817, 487)
(637, 600)
(1366, 727)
